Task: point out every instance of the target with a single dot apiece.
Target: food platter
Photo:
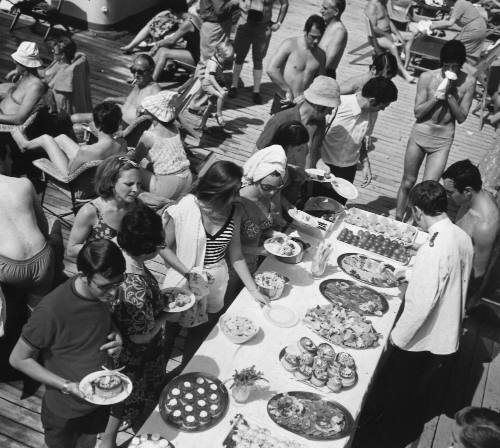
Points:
(368, 270)
(282, 247)
(177, 299)
(193, 402)
(88, 386)
(309, 415)
(349, 294)
(238, 329)
(342, 327)
(310, 220)
(345, 188)
(149, 441)
(244, 434)
(319, 366)
(280, 315)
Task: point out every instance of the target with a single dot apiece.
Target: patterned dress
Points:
(137, 306)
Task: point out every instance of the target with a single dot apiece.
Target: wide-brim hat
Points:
(324, 91)
(27, 54)
(162, 105)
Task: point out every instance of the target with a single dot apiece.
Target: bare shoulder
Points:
(153, 88)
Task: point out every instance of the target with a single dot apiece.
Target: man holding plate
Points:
(71, 331)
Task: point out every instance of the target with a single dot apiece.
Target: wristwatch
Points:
(65, 389)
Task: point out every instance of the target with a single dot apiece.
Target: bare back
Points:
(134, 100)
(333, 43)
(377, 13)
(21, 235)
(28, 90)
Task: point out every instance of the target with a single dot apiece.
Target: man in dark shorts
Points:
(72, 331)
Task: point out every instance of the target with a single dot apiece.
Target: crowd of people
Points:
(209, 229)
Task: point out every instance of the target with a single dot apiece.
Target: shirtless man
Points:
(436, 110)
(388, 35)
(334, 40)
(299, 60)
(18, 100)
(478, 215)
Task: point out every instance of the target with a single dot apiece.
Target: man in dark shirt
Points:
(71, 330)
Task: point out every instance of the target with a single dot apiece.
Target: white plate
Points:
(238, 339)
(85, 387)
(345, 188)
(188, 305)
(270, 242)
(318, 175)
(281, 316)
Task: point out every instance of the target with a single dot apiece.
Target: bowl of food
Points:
(271, 284)
(238, 329)
(286, 249)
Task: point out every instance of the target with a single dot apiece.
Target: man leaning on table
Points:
(72, 332)
(427, 333)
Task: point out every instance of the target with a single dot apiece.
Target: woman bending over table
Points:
(117, 182)
(66, 154)
(161, 144)
(200, 230)
(138, 313)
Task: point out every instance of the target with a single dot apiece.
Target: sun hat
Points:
(161, 105)
(324, 91)
(27, 54)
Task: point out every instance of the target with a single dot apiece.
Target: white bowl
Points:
(245, 335)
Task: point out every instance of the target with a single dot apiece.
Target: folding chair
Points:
(78, 185)
(486, 86)
(428, 48)
(372, 42)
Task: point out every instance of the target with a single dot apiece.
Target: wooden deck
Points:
(476, 378)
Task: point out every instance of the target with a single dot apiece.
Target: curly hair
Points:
(108, 173)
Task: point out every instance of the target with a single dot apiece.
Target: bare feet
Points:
(220, 120)
(126, 49)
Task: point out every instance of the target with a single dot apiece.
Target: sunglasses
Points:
(108, 286)
(126, 160)
(267, 187)
(138, 71)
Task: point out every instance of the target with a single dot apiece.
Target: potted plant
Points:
(243, 382)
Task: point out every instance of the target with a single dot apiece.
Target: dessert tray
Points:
(368, 270)
(193, 401)
(177, 299)
(380, 224)
(282, 247)
(105, 387)
(149, 441)
(308, 415)
(248, 435)
(342, 327)
(238, 329)
(319, 366)
(352, 296)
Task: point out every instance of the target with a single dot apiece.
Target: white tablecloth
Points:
(220, 357)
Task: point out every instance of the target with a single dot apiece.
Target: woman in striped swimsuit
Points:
(200, 229)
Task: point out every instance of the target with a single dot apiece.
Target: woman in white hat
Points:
(161, 144)
(19, 99)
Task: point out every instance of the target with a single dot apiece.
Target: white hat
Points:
(162, 105)
(27, 54)
(324, 91)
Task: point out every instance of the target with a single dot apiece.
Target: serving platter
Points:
(87, 388)
(193, 393)
(367, 270)
(349, 294)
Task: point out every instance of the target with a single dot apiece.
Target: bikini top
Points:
(101, 230)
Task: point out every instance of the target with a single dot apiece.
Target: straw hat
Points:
(324, 91)
(161, 105)
(27, 55)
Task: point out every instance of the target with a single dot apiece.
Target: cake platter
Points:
(120, 390)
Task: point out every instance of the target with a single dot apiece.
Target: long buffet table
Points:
(220, 357)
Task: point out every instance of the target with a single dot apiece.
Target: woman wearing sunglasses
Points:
(138, 313)
(118, 183)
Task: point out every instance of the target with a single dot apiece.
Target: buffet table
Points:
(220, 357)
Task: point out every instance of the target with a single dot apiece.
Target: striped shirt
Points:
(216, 245)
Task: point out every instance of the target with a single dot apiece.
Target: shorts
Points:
(430, 137)
(75, 432)
(255, 35)
(212, 34)
(172, 186)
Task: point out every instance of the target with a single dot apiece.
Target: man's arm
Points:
(31, 97)
(460, 111)
(334, 45)
(276, 67)
(281, 15)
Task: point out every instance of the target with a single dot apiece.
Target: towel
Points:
(264, 162)
(444, 84)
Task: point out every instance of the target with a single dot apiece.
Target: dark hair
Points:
(146, 58)
(317, 21)
(464, 174)
(107, 117)
(453, 51)
(108, 173)
(178, 6)
(67, 46)
(219, 184)
(340, 4)
(385, 62)
(430, 197)
(100, 257)
(141, 231)
(292, 133)
(381, 89)
(480, 427)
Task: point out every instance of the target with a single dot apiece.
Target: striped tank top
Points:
(216, 245)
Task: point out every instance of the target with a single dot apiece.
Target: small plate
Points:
(280, 315)
(85, 387)
(345, 188)
(269, 245)
(318, 175)
(189, 305)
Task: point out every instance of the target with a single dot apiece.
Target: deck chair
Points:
(426, 48)
(372, 42)
(40, 11)
(78, 185)
(487, 85)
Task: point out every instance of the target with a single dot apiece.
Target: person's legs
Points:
(58, 433)
(389, 45)
(241, 49)
(435, 163)
(108, 437)
(165, 54)
(414, 157)
(260, 44)
(408, 38)
(220, 105)
(140, 36)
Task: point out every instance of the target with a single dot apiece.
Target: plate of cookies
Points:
(194, 401)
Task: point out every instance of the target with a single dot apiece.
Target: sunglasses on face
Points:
(267, 187)
(138, 71)
(108, 286)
